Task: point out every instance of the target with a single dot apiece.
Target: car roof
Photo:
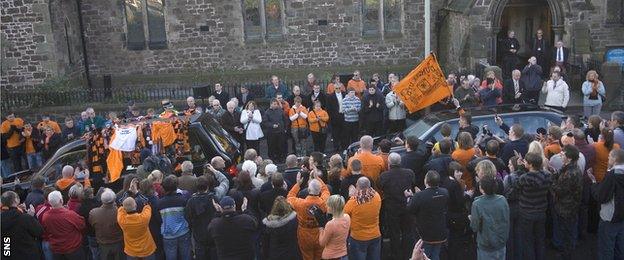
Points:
(451, 114)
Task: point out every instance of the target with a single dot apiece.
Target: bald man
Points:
(513, 88)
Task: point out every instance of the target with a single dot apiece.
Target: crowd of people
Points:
(473, 195)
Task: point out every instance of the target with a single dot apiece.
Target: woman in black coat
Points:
(373, 106)
(51, 142)
(281, 232)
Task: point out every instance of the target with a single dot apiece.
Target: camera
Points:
(486, 131)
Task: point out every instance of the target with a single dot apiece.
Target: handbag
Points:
(322, 130)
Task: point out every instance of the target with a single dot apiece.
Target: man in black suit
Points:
(230, 121)
(244, 96)
(315, 95)
(510, 54)
(336, 117)
(539, 49)
(220, 94)
(561, 54)
(513, 89)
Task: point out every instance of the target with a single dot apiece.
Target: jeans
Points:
(432, 250)
(17, 157)
(364, 250)
(533, 232)
(564, 234)
(45, 249)
(591, 110)
(112, 250)
(493, 255)
(93, 247)
(300, 143)
(6, 168)
(78, 254)
(178, 248)
(610, 240)
(35, 161)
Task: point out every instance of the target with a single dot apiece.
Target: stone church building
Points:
(135, 41)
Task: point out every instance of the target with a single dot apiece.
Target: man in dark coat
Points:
(23, 230)
(230, 121)
(415, 158)
(372, 111)
(315, 95)
(532, 80)
(540, 50)
(220, 94)
(439, 162)
(336, 117)
(513, 89)
(199, 211)
(244, 96)
(561, 56)
(398, 220)
(274, 123)
(510, 48)
(233, 232)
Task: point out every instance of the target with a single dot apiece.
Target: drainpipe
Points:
(84, 46)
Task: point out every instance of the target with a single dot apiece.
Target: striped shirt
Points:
(351, 107)
(533, 190)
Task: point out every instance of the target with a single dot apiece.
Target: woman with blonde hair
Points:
(281, 231)
(333, 235)
(486, 168)
(593, 94)
(536, 147)
(335, 173)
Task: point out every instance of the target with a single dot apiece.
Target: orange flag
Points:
(423, 86)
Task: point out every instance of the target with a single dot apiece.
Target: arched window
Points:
(263, 19)
(381, 17)
(145, 16)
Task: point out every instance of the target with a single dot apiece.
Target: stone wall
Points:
(306, 44)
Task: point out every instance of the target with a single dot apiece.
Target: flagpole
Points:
(427, 27)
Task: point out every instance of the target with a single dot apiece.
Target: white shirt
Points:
(560, 54)
(125, 139)
(516, 86)
(557, 93)
(339, 97)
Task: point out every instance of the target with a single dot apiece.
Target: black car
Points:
(427, 129)
(206, 137)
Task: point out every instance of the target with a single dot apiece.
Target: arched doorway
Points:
(524, 17)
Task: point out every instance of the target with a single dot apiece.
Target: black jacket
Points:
(309, 101)
(229, 121)
(24, 231)
(223, 98)
(333, 109)
(393, 183)
(281, 236)
(290, 175)
(232, 234)
(274, 117)
(199, 211)
(429, 206)
(415, 161)
(35, 198)
(533, 188)
(374, 113)
(508, 44)
(267, 197)
(439, 164)
(509, 92)
(55, 143)
(566, 55)
(611, 188)
(86, 206)
(243, 103)
(520, 145)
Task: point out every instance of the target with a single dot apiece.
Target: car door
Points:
(52, 170)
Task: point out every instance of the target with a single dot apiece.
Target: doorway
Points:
(525, 17)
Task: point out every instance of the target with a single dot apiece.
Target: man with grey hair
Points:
(392, 183)
(187, 180)
(107, 232)
(363, 207)
(191, 107)
(216, 110)
(21, 227)
(372, 164)
(292, 168)
(308, 234)
(230, 121)
(65, 228)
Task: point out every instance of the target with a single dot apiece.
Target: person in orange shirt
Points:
(363, 207)
(357, 84)
(308, 229)
(464, 154)
(335, 83)
(603, 147)
(298, 115)
(46, 122)
(138, 241)
(11, 129)
(552, 146)
(318, 120)
(372, 165)
(32, 147)
(68, 180)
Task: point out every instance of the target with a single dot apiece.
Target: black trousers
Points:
(373, 128)
(17, 156)
(401, 232)
(351, 133)
(337, 133)
(275, 144)
(253, 144)
(319, 140)
(396, 125)
(531, 97)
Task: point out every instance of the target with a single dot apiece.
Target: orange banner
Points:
(423, 86)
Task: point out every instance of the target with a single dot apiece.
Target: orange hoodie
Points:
(372, 165)
(463, 157)
(364, 218)
(602, 160)
(138, 241)
(317, 119)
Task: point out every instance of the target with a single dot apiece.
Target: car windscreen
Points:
(225, 141)
(417, 129)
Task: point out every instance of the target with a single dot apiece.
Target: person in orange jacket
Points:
(318, 120)
(372, 164)
(298, 115)
(308, 229)
(138, 241)
(363, 207)
(357, 83)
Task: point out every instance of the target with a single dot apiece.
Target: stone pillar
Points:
(612, 78)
